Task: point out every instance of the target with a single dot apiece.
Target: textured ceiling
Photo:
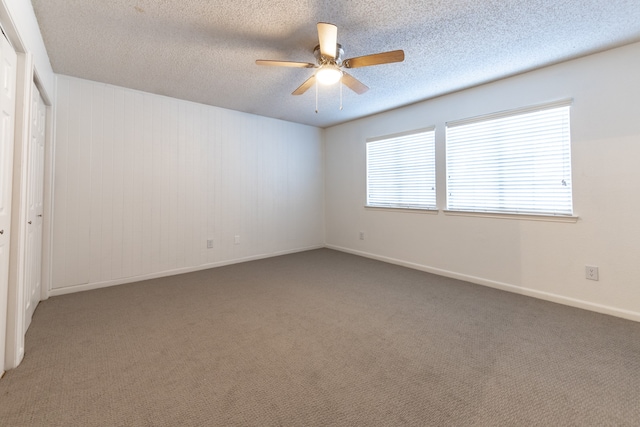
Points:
(204, 50)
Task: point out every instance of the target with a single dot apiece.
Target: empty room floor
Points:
(320, 338)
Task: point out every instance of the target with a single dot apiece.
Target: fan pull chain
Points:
(316, 96)
(340, 94)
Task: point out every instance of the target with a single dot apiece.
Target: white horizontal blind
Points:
(511, 164)
(401, 171)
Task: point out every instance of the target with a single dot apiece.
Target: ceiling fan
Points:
(330, 65)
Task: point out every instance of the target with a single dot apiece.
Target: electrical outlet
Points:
(210, 244)
(237, 239)
(591, 272)
(362, 235)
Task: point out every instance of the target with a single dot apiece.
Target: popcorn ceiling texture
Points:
(204, 51)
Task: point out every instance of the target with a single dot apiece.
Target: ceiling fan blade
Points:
(328, 37)
(375, 59)
(305, 86)
(354, 84)
(284, 63)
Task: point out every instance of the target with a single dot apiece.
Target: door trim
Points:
(14, 351)
(9, 59)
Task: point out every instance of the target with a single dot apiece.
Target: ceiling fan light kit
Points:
(328, 54)
(328, 74)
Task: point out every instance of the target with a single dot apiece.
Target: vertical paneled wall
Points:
(143, 181)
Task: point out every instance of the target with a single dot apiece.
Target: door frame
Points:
(26, 76)
(8, 57)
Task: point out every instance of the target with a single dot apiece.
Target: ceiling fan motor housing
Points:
(321, 59)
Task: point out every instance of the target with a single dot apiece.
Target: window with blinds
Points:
(511, 163)
(401, 171)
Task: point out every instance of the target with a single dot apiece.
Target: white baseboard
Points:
(547, 296)
(108, 283)
(586, 305)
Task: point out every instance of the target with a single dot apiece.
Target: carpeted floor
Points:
(320, 338)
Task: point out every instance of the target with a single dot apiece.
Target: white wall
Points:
(142, 181)
(543, 259)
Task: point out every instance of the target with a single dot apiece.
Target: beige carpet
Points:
(320, 338)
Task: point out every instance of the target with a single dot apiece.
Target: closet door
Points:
(35, 199)
(7, 119)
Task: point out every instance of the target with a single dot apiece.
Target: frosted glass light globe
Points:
(328, 74)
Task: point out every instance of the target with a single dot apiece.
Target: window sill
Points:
(526, 217)
(404, 210)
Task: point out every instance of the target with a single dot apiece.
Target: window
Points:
(401, 171)
(511, 163)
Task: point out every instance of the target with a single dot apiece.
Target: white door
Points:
(7, 118)
(35, 199)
